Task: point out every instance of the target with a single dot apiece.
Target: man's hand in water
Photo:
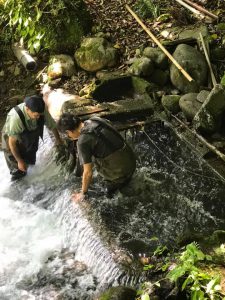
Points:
(79, 197)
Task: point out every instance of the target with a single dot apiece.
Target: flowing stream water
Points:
(52, 248)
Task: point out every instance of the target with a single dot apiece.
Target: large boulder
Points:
(209, 117)
(194, 64)
(96, 53)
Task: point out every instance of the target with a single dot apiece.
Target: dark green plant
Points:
(42, 23)
(198, 284)
(147, 9)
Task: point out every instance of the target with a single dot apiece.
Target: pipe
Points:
(24, 57)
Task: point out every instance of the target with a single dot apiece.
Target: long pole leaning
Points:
(213, 78)
(189, 78)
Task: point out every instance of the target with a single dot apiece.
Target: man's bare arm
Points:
(87, 177)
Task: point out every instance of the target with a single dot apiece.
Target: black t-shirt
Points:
(98, 145)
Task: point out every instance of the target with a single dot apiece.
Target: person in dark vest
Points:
(21, 132)
(99, 143)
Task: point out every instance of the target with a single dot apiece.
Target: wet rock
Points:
(194, 64)
(142, 66)
(171, 103)
(209, 117)
(189, 105)
(158, 57)
(95, 54)
(63, 278)
(118, 293)
(61, 65)
(136, 246)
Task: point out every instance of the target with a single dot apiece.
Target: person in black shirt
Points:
(99, 143)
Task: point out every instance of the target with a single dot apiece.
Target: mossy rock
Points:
(118, 293)
(96, 53)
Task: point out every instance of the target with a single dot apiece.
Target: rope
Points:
(182, 169)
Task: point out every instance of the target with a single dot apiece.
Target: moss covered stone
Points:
(96, 53)
(118, 293)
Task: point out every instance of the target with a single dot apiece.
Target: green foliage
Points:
(146, 289)
(44, 23)
(198, 285)
(147, 9)
(223, 80)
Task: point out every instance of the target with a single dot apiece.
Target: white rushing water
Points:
(28, 234)
(38, 219)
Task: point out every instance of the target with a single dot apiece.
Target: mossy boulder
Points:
(96, 53)
(209, 117)
(118, 293)
(142, 66)
(193, 62)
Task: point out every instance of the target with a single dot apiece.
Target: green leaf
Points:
(187, 281)
(154, 238)
(148, 267)
(212, 283)
(145, 297)
(39, 14)
(176, 273)
(197, 295)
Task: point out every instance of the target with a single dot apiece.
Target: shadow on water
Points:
(51, 246)
(173, 195)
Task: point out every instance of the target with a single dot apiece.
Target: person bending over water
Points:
(99, 144)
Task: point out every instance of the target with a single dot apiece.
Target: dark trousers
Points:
(29, 158)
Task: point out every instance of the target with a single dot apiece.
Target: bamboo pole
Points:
(189, 78)
(206, 143)
(208, 61)
(202, 9)
(192, 9)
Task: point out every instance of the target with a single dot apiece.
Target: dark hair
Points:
(68, 121)
(35, 103)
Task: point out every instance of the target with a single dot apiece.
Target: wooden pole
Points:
(192, 9)
(208, 60)
(189, 78)
(202, 9)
